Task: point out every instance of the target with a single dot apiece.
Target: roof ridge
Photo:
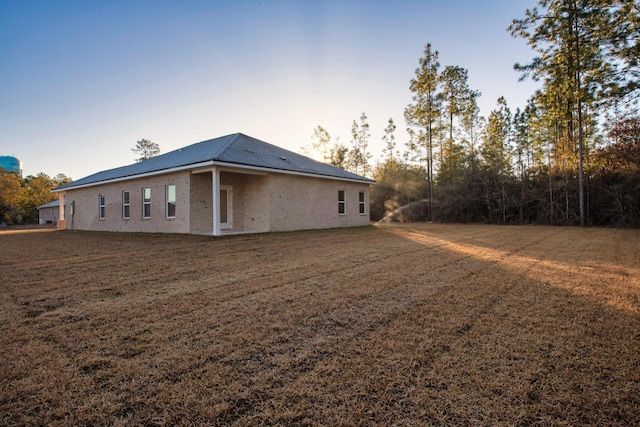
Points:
(225, 146)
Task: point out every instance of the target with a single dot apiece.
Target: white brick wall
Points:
(261, 203)
(87, 206)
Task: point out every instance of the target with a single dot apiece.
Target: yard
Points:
(424, 324)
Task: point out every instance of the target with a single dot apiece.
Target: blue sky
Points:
(81, 82)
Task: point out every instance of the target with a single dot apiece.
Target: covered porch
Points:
(227, 201)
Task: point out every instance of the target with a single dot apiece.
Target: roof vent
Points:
(284, 158)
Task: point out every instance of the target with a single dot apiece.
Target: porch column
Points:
(62, 223)
(215, 186)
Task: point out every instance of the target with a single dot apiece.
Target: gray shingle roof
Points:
(54, 204)
(235, 150)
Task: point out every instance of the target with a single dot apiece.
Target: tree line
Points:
(571, 156)
(20, 197)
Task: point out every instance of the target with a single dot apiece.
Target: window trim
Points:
(169, 202)
(146, 202)
(362, 204)
(102, 206)
(342, 203)
(126, 204)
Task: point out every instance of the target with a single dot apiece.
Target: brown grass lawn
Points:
(396, 325)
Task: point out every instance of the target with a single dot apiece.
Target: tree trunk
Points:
(580, 163)
(430, 173)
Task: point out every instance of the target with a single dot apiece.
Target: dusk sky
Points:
(81, 82)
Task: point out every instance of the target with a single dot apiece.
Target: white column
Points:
(62, 223)
(215, 186)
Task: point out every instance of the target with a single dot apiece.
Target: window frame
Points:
(146, 202)
(169, 202)
(362, 202)
(126, 204)
(342, 203)
(102, 206)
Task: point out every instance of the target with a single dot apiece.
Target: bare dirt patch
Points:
(396, 325)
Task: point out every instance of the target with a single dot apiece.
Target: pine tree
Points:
(472, 125)
(389, 139)
(573, 39)
(459, 103)
(425, 109)
(145, 150)
(321, 141)
(339, 155)
(359, 155)
(496, 153)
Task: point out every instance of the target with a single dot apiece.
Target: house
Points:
(49, 213)
(227, 185)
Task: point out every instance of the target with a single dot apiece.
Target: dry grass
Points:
(399, 325)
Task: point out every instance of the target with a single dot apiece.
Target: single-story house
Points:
(49, 213)
(231, 184)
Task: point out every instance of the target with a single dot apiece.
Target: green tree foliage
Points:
(548, 163)
(321, 143)
(425, 111)
(496, 155)
(389, 140)
(624, 45)
(471, 124)
(10, 195)
(574, 41)
(398, 184)
(61, 179)
(339, 155)
(145, 150)
(459, 103)
(616, 185)
(359, 155)
(20, 197)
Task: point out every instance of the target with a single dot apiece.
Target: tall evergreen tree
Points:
(425, 109)
(496, 153)
(472, 124)
(625, 46)
(339, 155)
(146, 149)
(321, 142)
(572, 38)
(459, 103)
(389, 139)
(359, 155)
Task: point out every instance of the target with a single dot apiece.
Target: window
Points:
(361, 203)
(125, 205)
(146, 203)
(342, 202)
(171, 201)
(101, 203)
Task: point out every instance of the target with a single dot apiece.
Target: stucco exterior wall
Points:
(48, 215)
(86, 201)
(298, 203)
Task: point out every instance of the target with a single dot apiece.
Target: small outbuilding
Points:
(227, 185)
(49, 213)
